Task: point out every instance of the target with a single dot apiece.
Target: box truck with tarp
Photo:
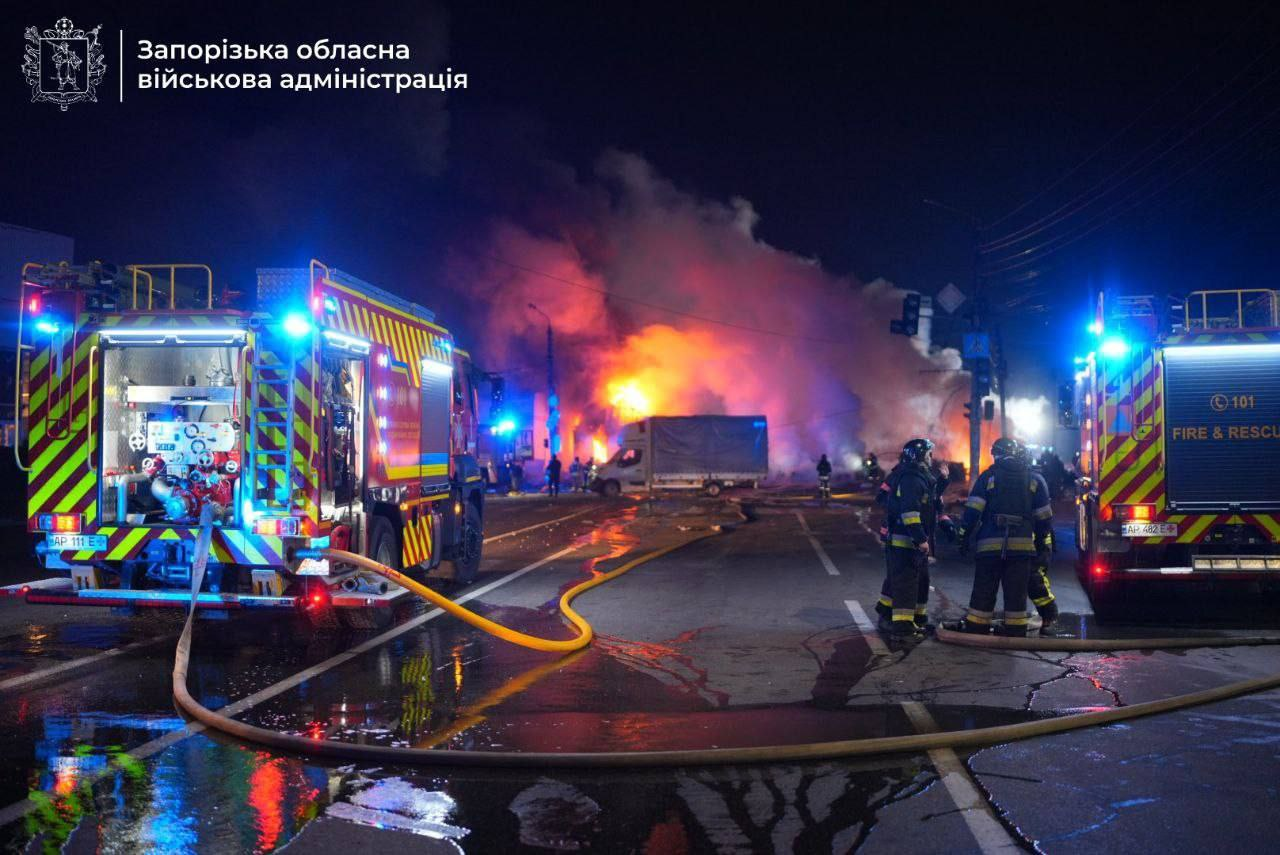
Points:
(707, 453)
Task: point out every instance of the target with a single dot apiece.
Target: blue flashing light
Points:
(297, 325)
(1114, 348)
(47, 327)
(759, 424)
(1095, 327)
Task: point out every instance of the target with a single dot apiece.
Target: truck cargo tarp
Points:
(1222, 426)
(710, 444)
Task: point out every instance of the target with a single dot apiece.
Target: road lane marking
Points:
(976, 811)
(867, 628)
(974, 808)
(147, 749)
(817, 547)
(507, 534)
(71, 665)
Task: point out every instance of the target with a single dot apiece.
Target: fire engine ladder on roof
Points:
(270, 435)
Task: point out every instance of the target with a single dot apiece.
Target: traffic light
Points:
(982, 378)
(909, 324)
(988, 410)
(911, 314)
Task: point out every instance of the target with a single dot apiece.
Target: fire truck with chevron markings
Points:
(330, 413)
(1179, 410)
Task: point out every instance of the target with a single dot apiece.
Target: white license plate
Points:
(78, 542)
(1141, 529)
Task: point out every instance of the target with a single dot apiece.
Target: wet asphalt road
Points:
(748, 638)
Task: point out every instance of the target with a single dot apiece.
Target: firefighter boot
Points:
(1048, 617)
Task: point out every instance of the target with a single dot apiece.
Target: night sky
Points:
(1154, 123)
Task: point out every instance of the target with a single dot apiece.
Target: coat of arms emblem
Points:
(63, 64)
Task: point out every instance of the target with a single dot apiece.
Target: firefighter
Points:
(553, 476)
(1009, 508)
(1038, 589)
(912, 514)
(884, 606)
(588, 473)
(824, 478)
(575, 475)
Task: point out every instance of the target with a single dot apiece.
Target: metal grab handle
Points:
(17, 369)
(92, 451)
(173, 282)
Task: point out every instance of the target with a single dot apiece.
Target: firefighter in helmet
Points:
(1010, 511)
(824, 478)
(1038, 588)
(911, 511)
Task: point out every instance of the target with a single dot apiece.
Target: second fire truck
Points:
(1180, 444)
(331, 413)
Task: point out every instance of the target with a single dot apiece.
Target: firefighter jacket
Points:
(1010, 506)
(912, 506)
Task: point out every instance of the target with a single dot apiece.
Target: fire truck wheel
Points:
(466, 561)
(610, 489)
(713, 488)
(382, 543)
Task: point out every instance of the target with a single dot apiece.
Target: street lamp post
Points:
(553, 400)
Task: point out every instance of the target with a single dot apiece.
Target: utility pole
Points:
(976, 309)
(553, 400)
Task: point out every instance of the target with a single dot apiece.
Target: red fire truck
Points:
(1180, 443)
(331, 413)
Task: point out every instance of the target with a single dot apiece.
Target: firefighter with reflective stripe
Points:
(1009, 507)
(912, 515)
(1038, 588)
(884, 605)
(824, 478)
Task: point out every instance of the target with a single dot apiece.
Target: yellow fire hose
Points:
(916, 743)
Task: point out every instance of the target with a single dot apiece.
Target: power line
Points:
(1046, 249)
(659, 307)
(1090, 196)
(1132, 123)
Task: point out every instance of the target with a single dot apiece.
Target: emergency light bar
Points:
(59, 523)
(440, 369)
(194, 335)
(349, 342)
(1221, 350)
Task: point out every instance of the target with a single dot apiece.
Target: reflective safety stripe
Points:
(976, 502)
(902, 541)
(921, 610)
(1043, 513)
(978, 618)
(1043, 601)
(1015, 618)
(1015, 544)
(904, 614)
(911, 518)
(886, 602)
(1044, 577)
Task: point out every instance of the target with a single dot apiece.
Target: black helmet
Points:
(915, 450)
(1007, 446)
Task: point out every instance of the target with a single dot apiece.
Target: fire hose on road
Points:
(916, 743)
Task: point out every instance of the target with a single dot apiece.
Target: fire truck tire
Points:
(713, 489)
(383, 547)
(466, 562)
(610, 489)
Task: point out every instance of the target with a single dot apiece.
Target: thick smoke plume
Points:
(652, 267)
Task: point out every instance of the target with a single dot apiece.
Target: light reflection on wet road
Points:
(661, 680)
